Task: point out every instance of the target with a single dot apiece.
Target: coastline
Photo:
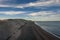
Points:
(26, 30)
(48, 31)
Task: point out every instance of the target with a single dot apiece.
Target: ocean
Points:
(52, 27)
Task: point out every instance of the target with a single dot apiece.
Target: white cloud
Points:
(45, 16)
(34, 4)
(38, 3)
(55, 17)
(42, 13)
(11, 12)
(2, 5)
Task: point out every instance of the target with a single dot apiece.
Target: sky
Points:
(36, 10)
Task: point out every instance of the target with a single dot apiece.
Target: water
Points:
(50, 26)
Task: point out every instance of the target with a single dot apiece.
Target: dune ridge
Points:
(20, 29)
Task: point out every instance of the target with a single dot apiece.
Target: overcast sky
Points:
(37, 10)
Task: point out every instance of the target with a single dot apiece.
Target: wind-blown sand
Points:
(19, 29)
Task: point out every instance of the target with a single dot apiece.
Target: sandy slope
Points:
(27, 30)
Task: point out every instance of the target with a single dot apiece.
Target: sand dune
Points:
(19, 29)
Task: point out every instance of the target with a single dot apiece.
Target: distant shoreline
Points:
(49, 32)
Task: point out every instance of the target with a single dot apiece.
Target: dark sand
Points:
(30, 31)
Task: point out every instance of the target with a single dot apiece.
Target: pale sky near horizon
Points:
(37, 10)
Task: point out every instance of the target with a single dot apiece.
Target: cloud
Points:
(45, 16)
(2, 1)
(11, 12)
(34, 4)
(55, 17)
(7, 1)
(38, 3)
(2, 5)
(42, 13)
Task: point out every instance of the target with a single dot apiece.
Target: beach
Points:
(26, 30)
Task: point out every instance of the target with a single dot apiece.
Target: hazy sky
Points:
(38, 10)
